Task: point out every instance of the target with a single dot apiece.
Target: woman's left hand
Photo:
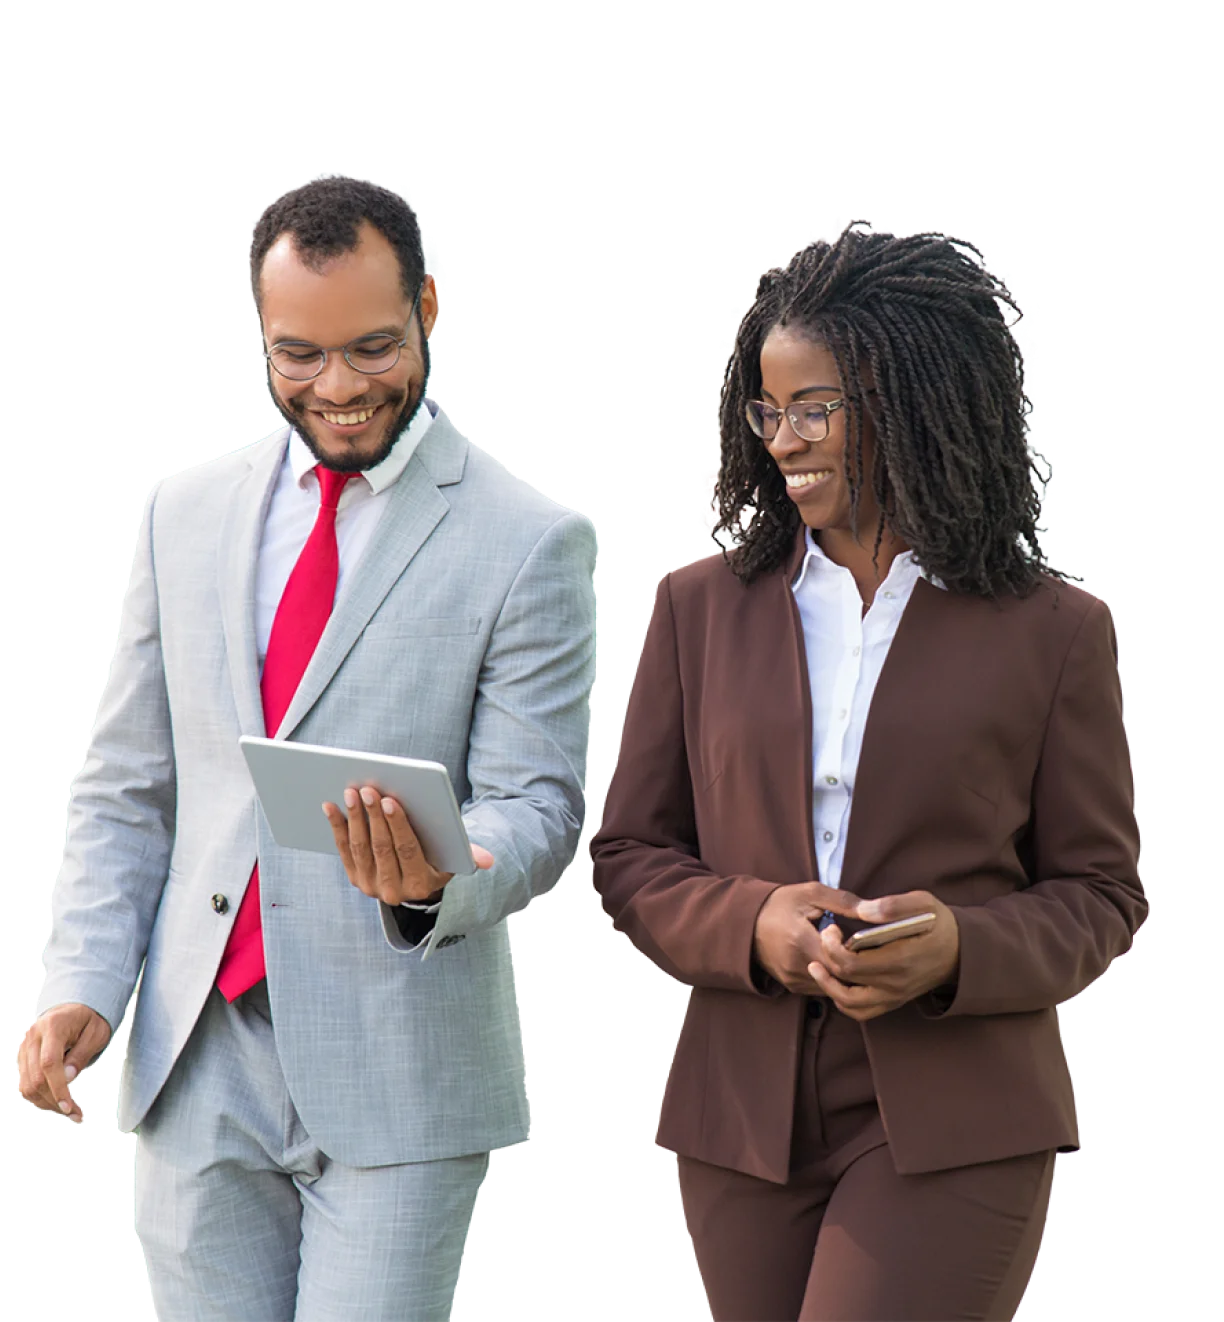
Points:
(868, 983)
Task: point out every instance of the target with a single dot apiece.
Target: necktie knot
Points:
(331, 485)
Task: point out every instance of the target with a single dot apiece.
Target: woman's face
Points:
(794, 369)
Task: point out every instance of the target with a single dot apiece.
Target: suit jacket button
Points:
(815, 1007)
(220, 904)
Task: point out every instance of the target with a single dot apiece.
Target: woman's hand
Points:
(785, 941)
(871, 982)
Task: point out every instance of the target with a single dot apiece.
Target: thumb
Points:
(93, 1037)
(482, 858)
(831, 898)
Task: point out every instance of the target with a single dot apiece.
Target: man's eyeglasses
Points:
(298, 360)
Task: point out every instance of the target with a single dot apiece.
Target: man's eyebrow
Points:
(392, 331)
(807, 390)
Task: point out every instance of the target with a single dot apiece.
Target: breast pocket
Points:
(993, 769)
(404, 628)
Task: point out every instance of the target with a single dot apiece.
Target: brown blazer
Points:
(994, 773)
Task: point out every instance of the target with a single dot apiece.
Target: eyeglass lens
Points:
(371, 354)
(810, 422)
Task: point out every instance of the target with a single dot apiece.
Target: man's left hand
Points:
(381, 853)
(868, 983)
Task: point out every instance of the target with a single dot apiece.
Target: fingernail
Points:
(368, 796)
(388, 806)
(350, 798)
(66, 1107)
(70, 1072)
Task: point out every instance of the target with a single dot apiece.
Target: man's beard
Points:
(354, 460)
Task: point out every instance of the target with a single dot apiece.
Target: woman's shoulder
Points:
(711, 572)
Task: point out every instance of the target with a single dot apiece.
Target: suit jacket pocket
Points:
(407, 627)
(991, 772)
(710, 774)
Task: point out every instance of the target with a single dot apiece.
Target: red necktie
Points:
(297, 627)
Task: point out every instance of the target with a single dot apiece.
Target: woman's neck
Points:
(868, 567)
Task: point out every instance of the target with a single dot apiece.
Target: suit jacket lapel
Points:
(415, 508)
(239, 552)
(803, 699)
(914, 675)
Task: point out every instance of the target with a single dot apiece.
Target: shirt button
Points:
(220, 904)
(841, 715)
(890, 595)
(828, 835)
(856, 651)
(831, 780)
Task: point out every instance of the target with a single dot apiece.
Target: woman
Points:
(880, 703)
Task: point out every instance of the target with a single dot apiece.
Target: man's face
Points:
(357, 293)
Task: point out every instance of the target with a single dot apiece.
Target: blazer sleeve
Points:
(528, 743)
(1042, 945)
(696, 925)
(120, 818)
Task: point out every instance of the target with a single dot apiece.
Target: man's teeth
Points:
(807, 479)
(349, 419)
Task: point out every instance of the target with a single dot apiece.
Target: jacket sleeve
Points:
(696, 925)
(528, 743)
(120, 819)
(1036, 947)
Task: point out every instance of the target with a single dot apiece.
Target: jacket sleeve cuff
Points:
(416, 921)
(937, 1003)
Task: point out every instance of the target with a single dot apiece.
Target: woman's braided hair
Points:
(952, 472)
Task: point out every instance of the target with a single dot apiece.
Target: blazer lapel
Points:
(239, 551)
(910, 714)
(415, 508)
(908, 670)
(805, 697)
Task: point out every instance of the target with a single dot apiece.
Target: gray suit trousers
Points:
(244, 1219)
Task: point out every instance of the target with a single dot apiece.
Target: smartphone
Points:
(867, 938)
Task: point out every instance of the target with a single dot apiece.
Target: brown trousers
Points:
(847, 1239)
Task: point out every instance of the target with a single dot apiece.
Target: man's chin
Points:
(354, 456)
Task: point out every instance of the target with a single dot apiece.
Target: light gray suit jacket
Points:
(466, 636)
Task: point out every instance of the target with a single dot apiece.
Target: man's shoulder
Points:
(222, 472)
(490, 477)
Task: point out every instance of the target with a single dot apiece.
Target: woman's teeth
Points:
(807, 479)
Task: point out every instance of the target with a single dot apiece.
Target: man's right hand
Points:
(59, 1045)
(785, 940)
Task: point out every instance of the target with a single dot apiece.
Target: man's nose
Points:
(338, 383)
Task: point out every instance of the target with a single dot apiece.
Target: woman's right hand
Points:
(785, 940)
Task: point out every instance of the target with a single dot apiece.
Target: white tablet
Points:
(295, 780)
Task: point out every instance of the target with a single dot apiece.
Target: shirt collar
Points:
(903, 571)
(381, 476)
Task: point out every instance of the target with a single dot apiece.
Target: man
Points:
(319, 1065)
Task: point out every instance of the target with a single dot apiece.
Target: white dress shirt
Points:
(291, 515)
(846, 650)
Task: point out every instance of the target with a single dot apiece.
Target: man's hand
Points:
(59, 1045)
(871, 982)
(381, 853)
